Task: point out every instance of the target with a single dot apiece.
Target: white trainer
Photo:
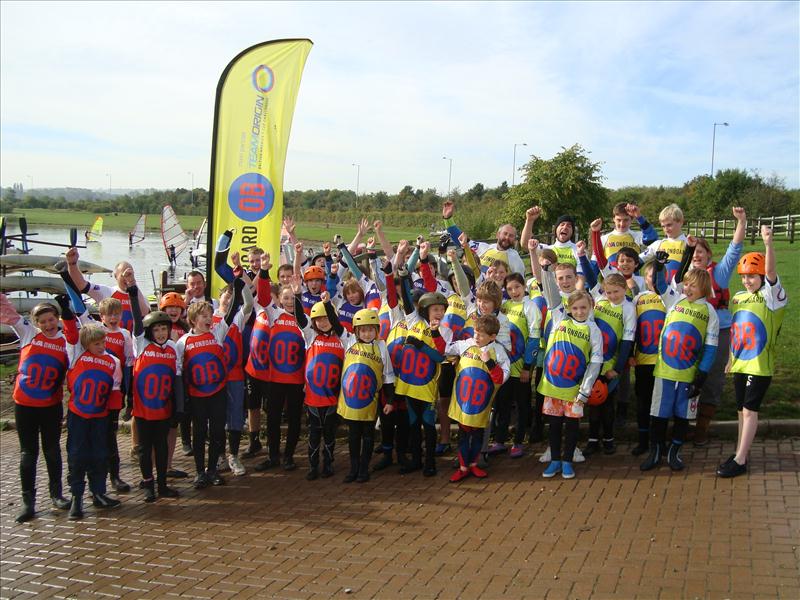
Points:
(222, 464)
(577, 456)
(545, 458)
(236, 465)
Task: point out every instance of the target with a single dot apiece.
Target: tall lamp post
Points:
(449, 174)
(358, 180)
(109, 182)
(713, 145)
(514, 169)
(191, 189)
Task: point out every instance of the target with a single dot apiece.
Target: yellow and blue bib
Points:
(569, 350)
(418, 376)
(473, 390)
(681, 342)
(754, 331)
(362, 379)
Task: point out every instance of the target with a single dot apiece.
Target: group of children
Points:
(417, 336)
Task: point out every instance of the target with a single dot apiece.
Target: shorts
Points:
(750, 390)
(671, 399)
(561, 408)
(251, 398)
(447, 377)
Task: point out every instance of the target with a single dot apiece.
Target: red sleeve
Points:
(71, 330)
(438, 341)
(597, 249)
(496, 374)
(391, 291)
(263, 290)
(428, 280)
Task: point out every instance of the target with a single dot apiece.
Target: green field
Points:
(125, 222)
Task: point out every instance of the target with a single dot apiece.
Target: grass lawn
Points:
(126, 221)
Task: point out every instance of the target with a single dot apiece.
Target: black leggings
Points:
(602, 414)
(538, 416)
(658, 429)
(360, 439)
(512, 392)
(394, 431)
(322, 424)
(208, 414)
(113, 449)
(570, 427)
(33, 422)
(290, 395)
(153, 438)
(645, 380)
(186, 423)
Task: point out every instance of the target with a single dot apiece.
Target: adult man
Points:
(502, 250)
(196, 289)
(100, 292)
(564, 246)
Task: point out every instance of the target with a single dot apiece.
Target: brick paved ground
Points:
(612, 532)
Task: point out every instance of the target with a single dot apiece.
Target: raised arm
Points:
(597, 244)
(377, 226)
(769, 251)
(531, 215)
(362, 227)
(448, 210)
(298, 258)
(136, 312)
(686, 258)
(221, 266)
(649, 234)
(588, 272)
(74, 271)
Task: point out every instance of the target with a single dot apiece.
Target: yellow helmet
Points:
(366, 316)
(318, 310)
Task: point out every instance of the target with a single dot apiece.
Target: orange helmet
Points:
(171, 299)
(752, 263)
(314, 272)
(599, 392)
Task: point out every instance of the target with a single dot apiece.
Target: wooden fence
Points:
(784, 227)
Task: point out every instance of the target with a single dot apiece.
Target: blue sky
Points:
(127, 89)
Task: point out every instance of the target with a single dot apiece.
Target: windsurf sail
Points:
(172, 233)
(136, 235)
(199, 244)
(96, 232)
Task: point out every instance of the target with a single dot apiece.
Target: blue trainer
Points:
(553, 469)
(567, 472)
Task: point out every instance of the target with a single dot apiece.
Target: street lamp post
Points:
(449, 174)
(713, 145)
(358, 180)
(514, 170)
(191, 189)
(109, 182)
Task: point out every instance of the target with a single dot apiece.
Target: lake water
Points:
(147, 256)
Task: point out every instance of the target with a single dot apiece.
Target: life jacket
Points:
(722, 296)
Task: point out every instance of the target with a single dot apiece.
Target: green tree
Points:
(567, 183)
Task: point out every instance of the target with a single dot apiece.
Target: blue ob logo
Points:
(251, 197)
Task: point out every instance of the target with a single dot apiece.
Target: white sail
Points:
(137, 233)
(172, 233)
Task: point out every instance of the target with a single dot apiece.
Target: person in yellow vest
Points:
(623, 236)
(572, 362)
(483, 367)
(564, 244)
(758, 313)
(616, 318)
(545, 257)
(525, 325)
(558, 281)
(673, 243)
(419, 367)
(686, 351)
(650, 313)
(366, 372)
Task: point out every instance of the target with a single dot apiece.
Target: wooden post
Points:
(716, 223)
(790, 225)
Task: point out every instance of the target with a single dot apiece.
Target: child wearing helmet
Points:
(157, 395)
(366, 372)
(174, 305)
(417, 379)
(758, 313)
(686, 350)
(323, 371)
(313, 278)
(356, 293)
(38, 408)
(483, 366)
